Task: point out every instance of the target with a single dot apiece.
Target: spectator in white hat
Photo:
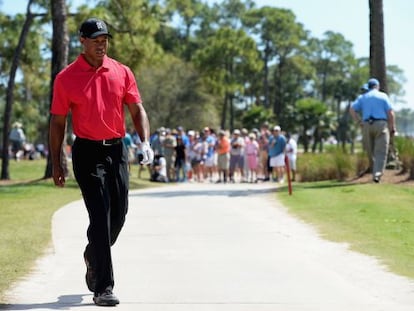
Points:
(236, 155)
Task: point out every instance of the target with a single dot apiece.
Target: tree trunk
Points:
(10, 92)
(378, 67)
(377, 47)
(60, 49)
(278, 104)
(224, 112)
(231, 101)
(266, 76)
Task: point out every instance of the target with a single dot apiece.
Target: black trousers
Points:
(102, 175)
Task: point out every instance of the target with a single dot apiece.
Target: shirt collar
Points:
(85, 66)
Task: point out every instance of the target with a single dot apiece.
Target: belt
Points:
(371, 120)
(374, 119)
(103, 142)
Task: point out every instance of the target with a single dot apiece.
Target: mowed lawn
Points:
(375, 219)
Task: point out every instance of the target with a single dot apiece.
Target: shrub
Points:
(344, 163)
(362, 163)
(405, 147)
(333, 165)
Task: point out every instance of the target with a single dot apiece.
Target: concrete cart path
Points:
(212, 247)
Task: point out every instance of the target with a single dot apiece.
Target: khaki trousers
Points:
(376, 139)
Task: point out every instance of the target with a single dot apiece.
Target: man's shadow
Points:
(63, 302)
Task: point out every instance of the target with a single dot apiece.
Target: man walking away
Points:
(374, 112)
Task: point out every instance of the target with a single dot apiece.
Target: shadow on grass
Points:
(39, 182)
(71, 183)
(63, 302)
(317, 185)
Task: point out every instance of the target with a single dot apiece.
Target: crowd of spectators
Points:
(198, 156)
(217, 156)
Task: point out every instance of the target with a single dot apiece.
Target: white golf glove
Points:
(147, 153)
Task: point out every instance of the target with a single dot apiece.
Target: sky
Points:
(348, 17)
(351, 19)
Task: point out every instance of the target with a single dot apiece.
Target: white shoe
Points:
(377, 177)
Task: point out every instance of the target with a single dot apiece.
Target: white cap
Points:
(277, 128)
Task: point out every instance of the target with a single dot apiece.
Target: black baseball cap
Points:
(93, 27)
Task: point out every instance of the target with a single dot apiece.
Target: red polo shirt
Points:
(96, 97)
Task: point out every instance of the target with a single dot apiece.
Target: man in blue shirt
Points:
(373, 111)
(210, 162)
(277, 144)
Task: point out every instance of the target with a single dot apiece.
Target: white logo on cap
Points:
(99, 25)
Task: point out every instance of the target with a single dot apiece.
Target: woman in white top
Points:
(291, 152)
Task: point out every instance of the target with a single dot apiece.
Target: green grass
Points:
(375, 219)
(27, 204)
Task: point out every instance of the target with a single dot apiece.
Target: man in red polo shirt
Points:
(95, 88)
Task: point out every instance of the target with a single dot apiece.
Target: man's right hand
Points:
(56, 135)
(59, 177)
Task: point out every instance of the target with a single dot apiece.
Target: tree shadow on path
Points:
(64, 302)
(215, 192)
